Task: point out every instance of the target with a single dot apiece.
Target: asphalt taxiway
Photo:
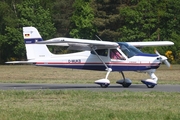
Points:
(93, 87)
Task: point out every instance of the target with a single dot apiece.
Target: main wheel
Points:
(124, 82)
(126, 85)
(104, 85)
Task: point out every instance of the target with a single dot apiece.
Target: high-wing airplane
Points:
(95, 55)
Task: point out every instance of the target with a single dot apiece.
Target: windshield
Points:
(128, 50)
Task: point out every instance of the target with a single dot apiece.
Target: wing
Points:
(79, 44)
(151, 43)
(84, 44)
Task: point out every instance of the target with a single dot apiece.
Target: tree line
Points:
(111, 20)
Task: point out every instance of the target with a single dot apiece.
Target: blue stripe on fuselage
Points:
(32, 40)
(101, 67)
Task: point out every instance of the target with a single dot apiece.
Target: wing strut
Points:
(107, 69)
(103, 82)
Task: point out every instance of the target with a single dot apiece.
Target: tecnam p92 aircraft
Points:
(95, 55)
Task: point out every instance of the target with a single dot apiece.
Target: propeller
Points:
(163, 59)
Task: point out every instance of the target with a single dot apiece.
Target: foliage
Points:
(27, 13)
(140, 21)
(31, 13)
(112, 20)
(9, 36)
(107, 19)
(13, 43)
(62, 12)
(82, 20)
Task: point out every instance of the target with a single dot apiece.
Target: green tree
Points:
(62, 12)
(8, 36)
(170, 26)
(152, 20)
(31, 13)
(82, 20)
(18, 15)
(107, 18)
(113, 20)
(140, 21)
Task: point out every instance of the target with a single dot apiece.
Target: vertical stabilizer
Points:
(34, 51)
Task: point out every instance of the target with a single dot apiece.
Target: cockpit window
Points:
(101, 52)
(128, 50)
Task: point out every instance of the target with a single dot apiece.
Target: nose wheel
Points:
(149, 83)
(150, 86)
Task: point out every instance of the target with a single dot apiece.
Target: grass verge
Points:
(33, 74)
(88, 105)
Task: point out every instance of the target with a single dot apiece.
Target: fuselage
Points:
(136, 61)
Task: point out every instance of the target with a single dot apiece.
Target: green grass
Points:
(33, 74)
(88, 105)
(85, 105)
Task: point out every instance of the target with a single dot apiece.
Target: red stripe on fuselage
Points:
(109, 63)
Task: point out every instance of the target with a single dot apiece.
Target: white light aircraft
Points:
(95, 55)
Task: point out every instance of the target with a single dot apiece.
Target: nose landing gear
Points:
(151, 83)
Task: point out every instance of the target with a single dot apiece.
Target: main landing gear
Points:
(150, 83)
(124, 82)
(104, 83)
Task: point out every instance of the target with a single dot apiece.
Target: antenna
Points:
(99, 38)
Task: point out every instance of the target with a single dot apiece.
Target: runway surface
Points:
(93, 87)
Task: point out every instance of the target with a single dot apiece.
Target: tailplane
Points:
(34, 51)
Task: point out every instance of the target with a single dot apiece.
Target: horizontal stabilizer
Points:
(20, 62)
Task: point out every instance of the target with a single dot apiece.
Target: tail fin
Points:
(34, 51)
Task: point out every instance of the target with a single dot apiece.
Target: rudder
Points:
(34, 51)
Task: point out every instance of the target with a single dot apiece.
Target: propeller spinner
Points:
(163, 59)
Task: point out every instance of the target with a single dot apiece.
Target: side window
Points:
(101, 52)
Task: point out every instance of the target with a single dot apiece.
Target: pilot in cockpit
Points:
(115, 54)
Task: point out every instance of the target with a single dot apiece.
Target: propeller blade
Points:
(157, 52)
(167, 63)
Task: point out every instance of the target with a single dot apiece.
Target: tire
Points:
(150, 86)
(126, 85)
(104, 85)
